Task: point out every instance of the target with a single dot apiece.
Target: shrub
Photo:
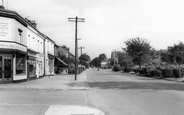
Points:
(144, 71)
(127, 69)
(137, 70)
(168, 72)
(182, 72)
(155, 73)
(80, 69)
(117, 67)
(71, 70)
(176, 73)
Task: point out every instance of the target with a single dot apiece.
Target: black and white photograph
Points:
(91, 57)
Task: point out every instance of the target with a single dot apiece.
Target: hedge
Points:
(167, 73)
(117, 68)
(155, 73)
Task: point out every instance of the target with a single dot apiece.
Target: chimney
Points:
(32, 22)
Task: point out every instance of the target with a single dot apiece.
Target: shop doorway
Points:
(5, 68)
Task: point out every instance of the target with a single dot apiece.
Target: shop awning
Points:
(62, 62)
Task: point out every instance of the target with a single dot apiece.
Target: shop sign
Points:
(10, 45)
(5, 28)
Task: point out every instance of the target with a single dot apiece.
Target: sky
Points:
(108, 23)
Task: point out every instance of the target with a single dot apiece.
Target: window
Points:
(20, 35)
(20, 65)
(38, 46)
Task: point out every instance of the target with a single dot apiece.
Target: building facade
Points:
(25, 52)
(35, 50)
(13, 48)
(49, 56)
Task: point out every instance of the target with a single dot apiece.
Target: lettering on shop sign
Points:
(9, 45)
(3, 29)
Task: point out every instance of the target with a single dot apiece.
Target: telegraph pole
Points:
(76, 20)
(81, 49)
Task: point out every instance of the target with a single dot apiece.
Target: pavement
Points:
(181, 80)
(58, 83)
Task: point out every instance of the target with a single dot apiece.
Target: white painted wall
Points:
(6, 29)
(16, 36)
(49, 49)
(34, 40)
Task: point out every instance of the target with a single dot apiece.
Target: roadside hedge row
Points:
(72, 70)
(161, 73)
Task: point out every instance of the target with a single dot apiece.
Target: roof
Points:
(13, 14)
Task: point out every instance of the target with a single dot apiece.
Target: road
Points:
(114, 93)
(126, 94)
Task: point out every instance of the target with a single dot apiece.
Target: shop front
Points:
(31, 64)
(12, 62)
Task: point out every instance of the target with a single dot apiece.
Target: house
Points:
(49, 56)
(104, 64)
(35, 51)
(13, 46)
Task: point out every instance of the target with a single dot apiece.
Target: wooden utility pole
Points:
(76, 20)
(81, 49)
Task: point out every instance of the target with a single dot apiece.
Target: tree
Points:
(95, 62)
(166, 57)
(177, 53)
(102, 57)
(138, 49)
(83, 59)
(125, 60)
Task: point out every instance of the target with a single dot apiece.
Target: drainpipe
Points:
(44, 55)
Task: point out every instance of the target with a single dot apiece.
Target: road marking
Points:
(72, 110)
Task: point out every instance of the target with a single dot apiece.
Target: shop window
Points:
(20, 65)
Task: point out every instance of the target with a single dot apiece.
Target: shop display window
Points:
(20, 65)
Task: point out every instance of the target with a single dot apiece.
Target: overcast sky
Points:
(109, 23)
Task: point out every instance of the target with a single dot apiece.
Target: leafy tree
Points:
(95, 62)
(83, 59)
(138, 49)
(102, 57)
(125, 60)
(177, 53)
(166, 57)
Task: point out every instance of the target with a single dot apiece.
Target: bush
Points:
(176, 73)
(182, 72)
(117, 67)
(71, 70)
(166, 73)
(155, 73)
(144, 71)
(127, 69)
(137, 70)
(80, 69)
